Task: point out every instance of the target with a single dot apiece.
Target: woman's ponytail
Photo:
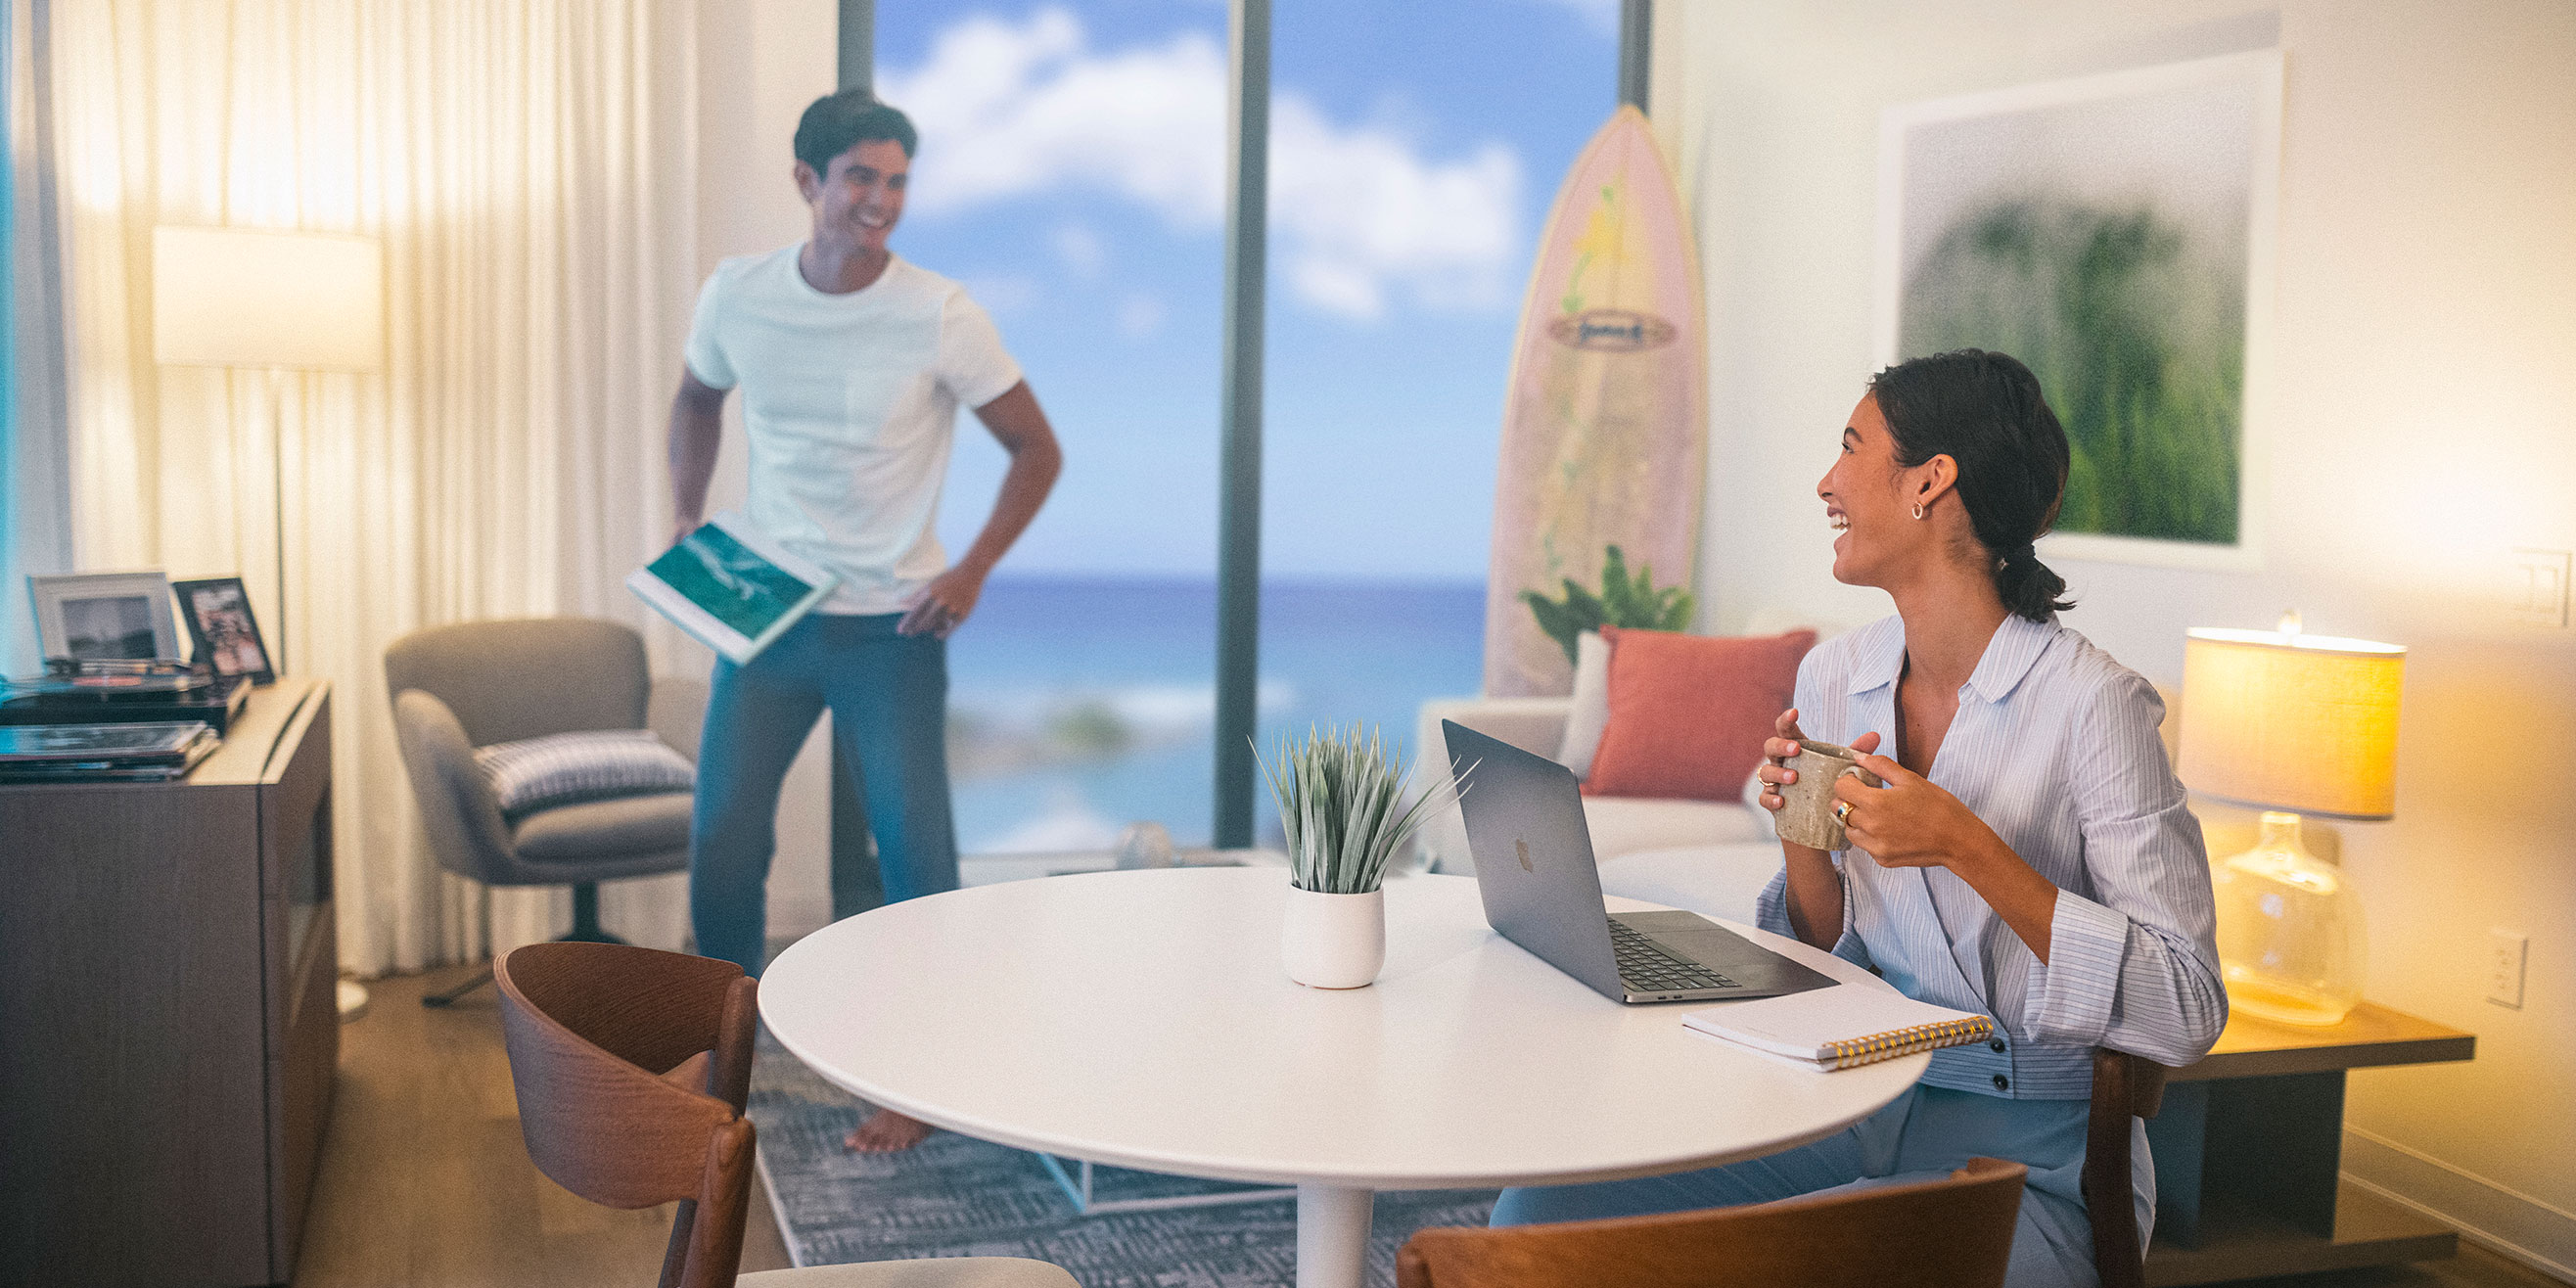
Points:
(2029, 587)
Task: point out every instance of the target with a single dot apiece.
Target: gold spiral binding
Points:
(1907, 1041)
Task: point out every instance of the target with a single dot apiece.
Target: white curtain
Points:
(529, 168)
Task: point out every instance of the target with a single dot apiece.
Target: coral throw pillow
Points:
(1688, 713)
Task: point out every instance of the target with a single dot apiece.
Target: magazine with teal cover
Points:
(731, 587)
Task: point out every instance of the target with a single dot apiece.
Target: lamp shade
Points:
(246, 297)
(2306, 723)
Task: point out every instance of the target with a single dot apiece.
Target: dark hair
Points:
(1985, 411)
(835, 123)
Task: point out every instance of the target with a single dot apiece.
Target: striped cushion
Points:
(568, 768)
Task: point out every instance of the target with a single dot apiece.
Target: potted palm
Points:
(1341, 803)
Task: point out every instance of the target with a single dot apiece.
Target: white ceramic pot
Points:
(1333, 940)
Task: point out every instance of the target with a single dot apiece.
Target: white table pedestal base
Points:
(1079, 1190)
(1332, 1236)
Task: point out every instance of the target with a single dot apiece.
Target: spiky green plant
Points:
(1340, 798)
(1623, 601)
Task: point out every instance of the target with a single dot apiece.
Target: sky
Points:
(1072, 175)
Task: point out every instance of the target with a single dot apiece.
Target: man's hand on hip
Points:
(943, 605)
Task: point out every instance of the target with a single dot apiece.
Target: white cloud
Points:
(1358, 212)
(1140, 316)
(1600, 15)
(1005, 294)
(1081, 251)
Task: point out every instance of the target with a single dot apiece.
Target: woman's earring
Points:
(1918, 509)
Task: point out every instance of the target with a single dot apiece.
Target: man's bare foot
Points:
(888, 1132)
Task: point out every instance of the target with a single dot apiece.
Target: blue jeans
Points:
(1924, 1134)
(889, 699)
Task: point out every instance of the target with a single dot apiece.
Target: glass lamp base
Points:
(2257, 994)
(2289, 930)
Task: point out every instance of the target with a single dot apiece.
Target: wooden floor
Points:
(425, 1183)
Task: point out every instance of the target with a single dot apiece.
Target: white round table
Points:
(1142, 1019)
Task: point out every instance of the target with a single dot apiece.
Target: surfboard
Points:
(1605, 418)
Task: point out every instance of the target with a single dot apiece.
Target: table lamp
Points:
(273, 301)
(2291, 724)
(279, 302)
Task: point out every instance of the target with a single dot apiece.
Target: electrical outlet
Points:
(2540, 586)
(2506, 950)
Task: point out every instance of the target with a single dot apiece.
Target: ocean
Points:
(1080, 705)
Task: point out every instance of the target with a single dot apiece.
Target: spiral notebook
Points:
(1839, 1027)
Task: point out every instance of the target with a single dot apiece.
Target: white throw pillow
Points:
(569, 768)
(1589, 714)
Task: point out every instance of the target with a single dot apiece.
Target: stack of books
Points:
(92, 696)
(145, 752)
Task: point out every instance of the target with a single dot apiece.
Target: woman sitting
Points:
(2030, 858)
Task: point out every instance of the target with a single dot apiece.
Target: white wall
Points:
(2424, 426)
(758, 67)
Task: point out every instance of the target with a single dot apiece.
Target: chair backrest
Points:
(632, 1067)
(1955, 1233)
(2125, 1086)
(526, 677)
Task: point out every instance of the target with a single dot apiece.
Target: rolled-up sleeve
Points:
(2134, 965)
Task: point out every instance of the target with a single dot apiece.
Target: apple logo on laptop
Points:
(1523, 847)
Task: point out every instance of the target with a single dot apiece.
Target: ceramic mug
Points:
(1806, 814)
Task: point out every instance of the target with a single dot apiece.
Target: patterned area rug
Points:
(960, 1197)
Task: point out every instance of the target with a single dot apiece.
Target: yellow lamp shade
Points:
(247, 297)
(2306, 723)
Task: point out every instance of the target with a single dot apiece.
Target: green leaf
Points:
(1340, 796)
(1553, 620)
(1677, 610)
(1584, 607)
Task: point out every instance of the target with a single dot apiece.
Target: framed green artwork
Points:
(2115, 233)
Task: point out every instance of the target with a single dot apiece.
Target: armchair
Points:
(456, 688)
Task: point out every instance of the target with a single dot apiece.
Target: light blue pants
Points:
(888, 694)
(1925, 1134)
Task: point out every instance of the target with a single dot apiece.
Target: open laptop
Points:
(1542, 890)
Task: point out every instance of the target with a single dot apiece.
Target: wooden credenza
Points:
(168, 1019)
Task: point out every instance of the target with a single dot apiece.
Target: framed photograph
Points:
(217, 611)
(2115, 232)
(105, 616)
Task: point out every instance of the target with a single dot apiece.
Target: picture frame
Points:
(223, 628)
(1984, 202)
(114, 616)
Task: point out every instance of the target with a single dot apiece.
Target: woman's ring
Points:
(1842, 812)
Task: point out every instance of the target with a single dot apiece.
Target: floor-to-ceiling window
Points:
(1415, 151)
(1072, 175)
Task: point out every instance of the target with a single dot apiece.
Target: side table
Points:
(2249, 1152)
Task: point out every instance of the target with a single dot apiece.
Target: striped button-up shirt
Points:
(2055, 747)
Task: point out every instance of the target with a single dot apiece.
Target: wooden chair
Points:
(1953, 1233)
(2125, 1086)
(632, 1067)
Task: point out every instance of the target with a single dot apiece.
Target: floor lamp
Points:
(248, 298)
(256, 299)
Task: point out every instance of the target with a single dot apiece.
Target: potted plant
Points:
(1340, 798)
(1623, 601)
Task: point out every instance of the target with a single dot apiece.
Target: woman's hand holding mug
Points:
(1779, 750)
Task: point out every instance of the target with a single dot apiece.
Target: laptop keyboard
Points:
(1646, 967)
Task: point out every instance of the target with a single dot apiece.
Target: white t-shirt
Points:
(850, 402)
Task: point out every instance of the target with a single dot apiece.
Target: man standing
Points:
(852, 364)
